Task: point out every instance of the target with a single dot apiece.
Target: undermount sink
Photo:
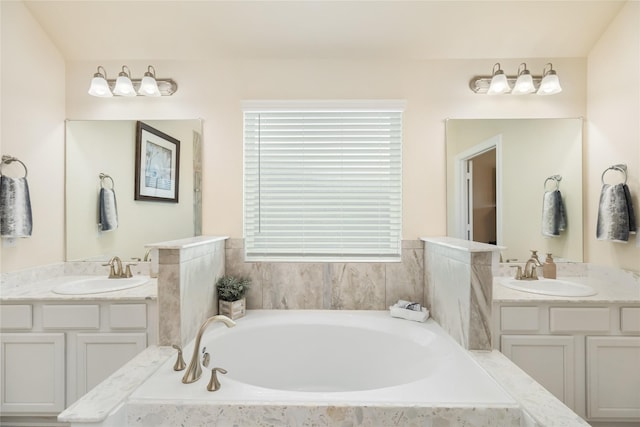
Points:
(96, 285)
(556, 287)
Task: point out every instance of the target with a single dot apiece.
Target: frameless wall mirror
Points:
(95, 147)
(497, 174)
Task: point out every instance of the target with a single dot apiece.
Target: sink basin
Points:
(96, 285)
(562, 288)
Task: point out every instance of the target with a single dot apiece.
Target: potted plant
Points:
(231, 291)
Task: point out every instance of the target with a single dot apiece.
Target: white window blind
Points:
(322, 185)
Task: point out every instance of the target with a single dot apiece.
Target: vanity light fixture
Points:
(523, 83)
(124, 85)
(149, 86)
(99, 85)
(550, 83)
(499, 83)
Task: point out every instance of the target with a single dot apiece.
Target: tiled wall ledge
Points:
(458, 288)
(349, 286)
(187, 272)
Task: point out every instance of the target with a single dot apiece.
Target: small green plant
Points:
(231, 288)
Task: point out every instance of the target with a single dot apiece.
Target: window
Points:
(323, 183)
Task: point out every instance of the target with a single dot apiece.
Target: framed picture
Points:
(157, 165)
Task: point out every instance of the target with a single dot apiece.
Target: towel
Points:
(398, 310)
(15, 207)
(616, 219)
(108, 220)
(554, 219)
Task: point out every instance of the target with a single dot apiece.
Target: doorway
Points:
(478, 189)
(482, 211)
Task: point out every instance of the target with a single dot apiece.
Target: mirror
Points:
(497, 175)
(95, 147)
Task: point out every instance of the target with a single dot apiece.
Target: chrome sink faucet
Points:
(115, 268)
(530, 272)
(194, 371)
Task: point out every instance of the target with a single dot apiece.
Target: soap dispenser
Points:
(549, 268)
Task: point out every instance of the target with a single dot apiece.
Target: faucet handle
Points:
(112, 270)
(214, 384)
(179, 365)
(127, 270)
(518, 271)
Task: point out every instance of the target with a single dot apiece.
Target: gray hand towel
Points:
(108, 220)
(554, 219)
(616, 219)
(15, 207)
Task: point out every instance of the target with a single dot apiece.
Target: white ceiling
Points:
(192, 30)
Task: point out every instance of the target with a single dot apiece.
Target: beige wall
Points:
(434, 90)
(33, 113)
(613, 131)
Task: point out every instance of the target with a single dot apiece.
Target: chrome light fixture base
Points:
(546, 84)
(125, 86)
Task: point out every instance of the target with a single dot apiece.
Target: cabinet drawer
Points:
(128, 316)
(16, 317)
(519, 319)
(630, 319)
(565, 319)
(71, 316)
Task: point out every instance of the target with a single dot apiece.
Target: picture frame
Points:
(157, 169)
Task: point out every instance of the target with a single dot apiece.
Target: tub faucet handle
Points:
(179, 365)
(214, 384)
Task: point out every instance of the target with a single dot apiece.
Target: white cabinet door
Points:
(33, 372)
(547, 359)
(101, 354)
(613, 377)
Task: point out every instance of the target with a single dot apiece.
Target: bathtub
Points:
(309, 367)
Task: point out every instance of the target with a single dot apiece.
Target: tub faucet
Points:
(194, 371)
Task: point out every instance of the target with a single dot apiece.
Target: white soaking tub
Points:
(325, 367)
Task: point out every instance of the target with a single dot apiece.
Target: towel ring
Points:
(556, 178)
(104, 176)
(10, 159)
(620, 168)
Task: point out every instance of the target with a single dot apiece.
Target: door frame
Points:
(462, 195)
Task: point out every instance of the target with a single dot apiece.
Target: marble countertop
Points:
(539, 404)
(613, 289)
(41, 291)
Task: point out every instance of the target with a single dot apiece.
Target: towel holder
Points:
(104, 176)
(556, 178)
(10, 159)
(620, 168)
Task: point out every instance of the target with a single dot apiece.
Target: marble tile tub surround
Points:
(102, 406)
(458, 288)
(335, 286)
(187, 272)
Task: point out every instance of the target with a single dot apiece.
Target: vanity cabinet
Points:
(588, 356)
(52, 353)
